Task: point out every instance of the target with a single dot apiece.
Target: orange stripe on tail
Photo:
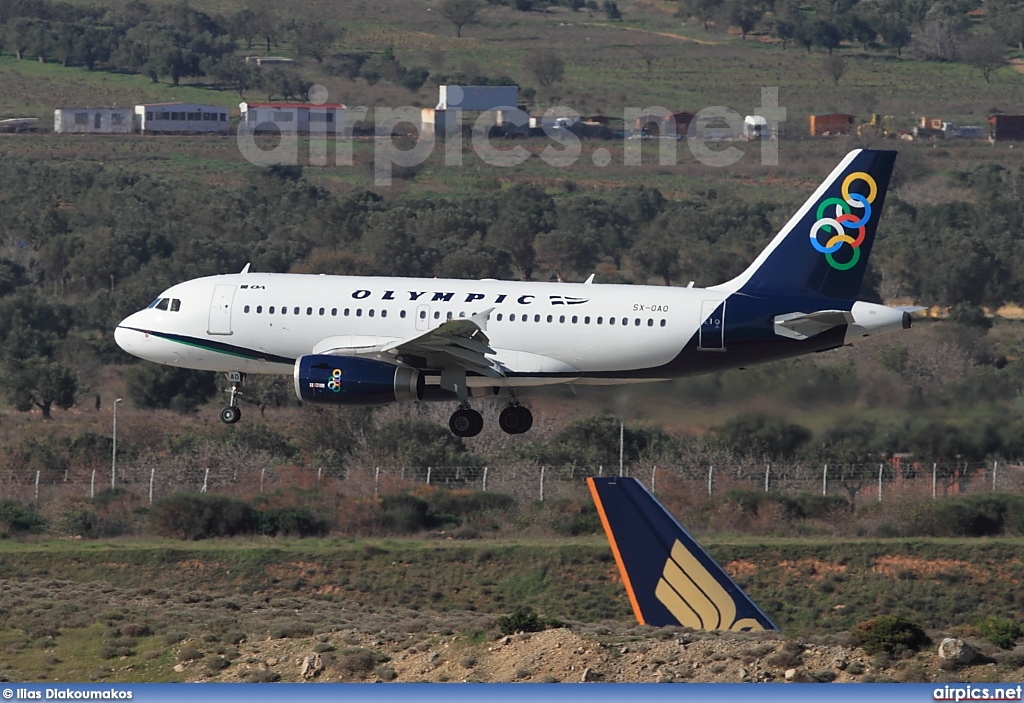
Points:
(615, 551)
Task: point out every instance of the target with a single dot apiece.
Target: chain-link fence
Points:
(247, 474)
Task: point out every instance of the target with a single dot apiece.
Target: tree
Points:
(704, 10)
(648, 53)
(763, 437)
(826, 35)
(39, 382)
(611, 10)
(315, 39)
(834, 66)
(895, 33)
(154, 386)
(984, 54)
(460, 13)
(743, 15)
(234, 72)
(546, 66)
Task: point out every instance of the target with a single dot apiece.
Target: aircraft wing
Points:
(460, 343)
(803, 325)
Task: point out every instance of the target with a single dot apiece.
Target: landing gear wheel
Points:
(466, 422)
(515, 419)
(230, 415)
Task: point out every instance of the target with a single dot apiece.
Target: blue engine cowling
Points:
(350, 380)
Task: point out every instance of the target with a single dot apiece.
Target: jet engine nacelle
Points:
(871, 319)
(351, 380)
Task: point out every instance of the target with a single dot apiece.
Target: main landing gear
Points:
(466, 422)
(515, 419)
(232, 413)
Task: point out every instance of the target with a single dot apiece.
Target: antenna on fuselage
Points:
(589, 280)
(246, 268)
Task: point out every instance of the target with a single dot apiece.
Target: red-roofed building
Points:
(328, 118)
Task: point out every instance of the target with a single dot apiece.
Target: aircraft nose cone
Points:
(124, 338)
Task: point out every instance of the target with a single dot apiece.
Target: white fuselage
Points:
(566, 329)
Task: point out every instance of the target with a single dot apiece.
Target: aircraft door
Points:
(712, 326)
(220, 309)
(422, 317)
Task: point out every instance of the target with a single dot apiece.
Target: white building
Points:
(181, 117)
(288, 118)
(92, 120)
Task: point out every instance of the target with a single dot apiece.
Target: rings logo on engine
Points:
(335, 383)
(845, 223)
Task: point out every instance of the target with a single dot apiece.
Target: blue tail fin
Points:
(824, 247)
(669, 578)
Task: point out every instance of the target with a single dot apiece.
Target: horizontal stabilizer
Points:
(804, 325)
(669, 578)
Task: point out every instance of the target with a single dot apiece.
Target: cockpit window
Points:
(162, 303)
(153, 304)
(175, 305)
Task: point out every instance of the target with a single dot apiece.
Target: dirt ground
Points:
(562, 655)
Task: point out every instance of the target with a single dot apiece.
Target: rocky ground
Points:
(563, 655)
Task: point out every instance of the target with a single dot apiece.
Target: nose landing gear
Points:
(232, 413)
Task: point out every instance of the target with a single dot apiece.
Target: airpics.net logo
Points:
(710, 137)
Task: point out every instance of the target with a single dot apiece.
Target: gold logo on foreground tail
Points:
(693, 595)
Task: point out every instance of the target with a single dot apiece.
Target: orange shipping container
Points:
(836, 123)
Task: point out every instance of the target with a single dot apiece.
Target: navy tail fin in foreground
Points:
(669, 578)
(824, 247)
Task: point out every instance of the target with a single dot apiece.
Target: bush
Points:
(292, 522)
(16, 519)
(192, 516)
(1002, 632)
(405, 513)
(890, 634)
(522, 620)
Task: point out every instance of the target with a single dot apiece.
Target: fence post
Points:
(206, 480)
(600, 470)
(485, 479)
(622, 436)
(935, 468)
(767, 473)
(824, 481)
(152, 475)
(37, 484)
(428, 475)
(542, 484)
(92, 485)
(995, 468)
(653, 472)
(711, 470)
(262, 472)
(880, 482)
(376, 480)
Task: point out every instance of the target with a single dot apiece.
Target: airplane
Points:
(377, 340)
(669, 578)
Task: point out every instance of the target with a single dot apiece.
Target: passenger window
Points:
(176, 305)
(383, 313)
(401, 314)
(650, 322)
(600, 320)
(586, 320)
(259, 308)
(359, 312)
(550, 318)
(296, 311)
(561, 318)
(611, 320)
(499, 317)
(512, 317)
(271, 309)
(346, 312)
(575, 319)
(284, 309)
(662, 323)
(462, 314)
(334, 312)
(321, 312)
(309, 311)
(536, 318)
(370, 312)
(245, 309)
(162, 304)
(638, 322)
(437, 315)
(423, 314)
(625, 321)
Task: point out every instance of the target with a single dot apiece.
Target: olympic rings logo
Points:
(845, 223)
(335, 383)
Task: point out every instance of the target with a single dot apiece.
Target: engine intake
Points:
(351, 380)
